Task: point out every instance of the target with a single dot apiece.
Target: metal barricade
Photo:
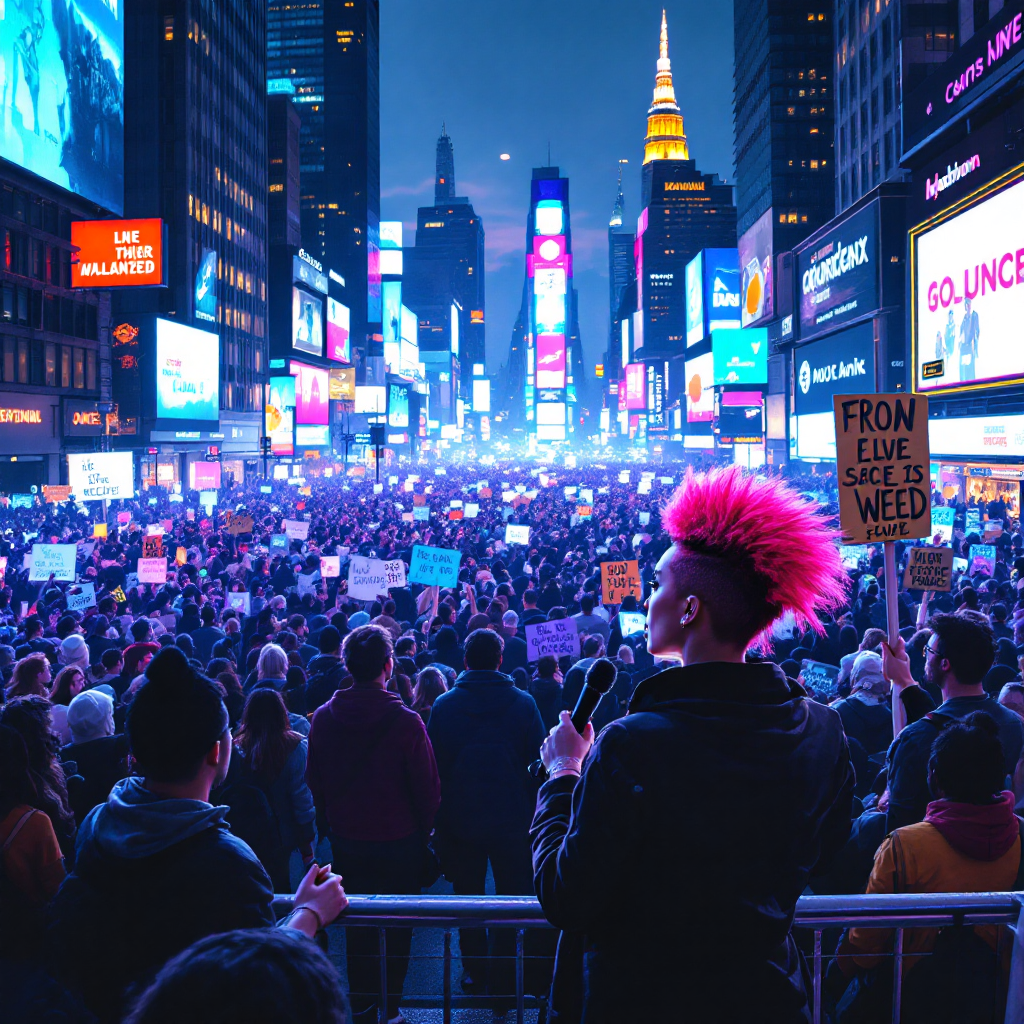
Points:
(814, 913)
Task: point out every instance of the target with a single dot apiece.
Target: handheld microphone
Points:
(600, 678)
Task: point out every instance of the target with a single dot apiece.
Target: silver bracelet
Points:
(566, 763)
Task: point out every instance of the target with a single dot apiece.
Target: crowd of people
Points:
(172, 755)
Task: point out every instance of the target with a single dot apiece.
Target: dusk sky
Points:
(512, 77)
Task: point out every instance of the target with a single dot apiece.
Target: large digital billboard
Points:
(117, 253)
(551, 360)
(695, 300)
(312, 436)
(62, 94)
(741, 418)
(342, 386)
(636, 387)
(721, 289)
(481, 395)
(841, 365)
(391, 298)
(398, 406)
(206, 287)
(837, 274)
(187, 374)
(968, 302)
(700, 390)
(339, 332)
(757, 296)
(281, 415)
(312, 391)
(741, 356)
(307, 323)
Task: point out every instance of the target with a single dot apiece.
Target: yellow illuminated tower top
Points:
(666, 139)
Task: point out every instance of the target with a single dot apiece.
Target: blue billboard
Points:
(721, 289)
(206, 287)
(62, 94)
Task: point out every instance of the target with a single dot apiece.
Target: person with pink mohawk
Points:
(672, 851)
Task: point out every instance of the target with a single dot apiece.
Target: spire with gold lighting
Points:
(666, 139)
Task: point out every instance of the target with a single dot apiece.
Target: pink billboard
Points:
(312, 386)
(548, 253)
(551, 360)
(636, 390)
(338, 332)
(204, 476)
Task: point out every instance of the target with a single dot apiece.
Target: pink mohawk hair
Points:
(765, 526)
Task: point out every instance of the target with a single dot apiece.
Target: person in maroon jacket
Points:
(372, 774)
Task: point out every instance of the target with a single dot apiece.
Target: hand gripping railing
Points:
(898, 912)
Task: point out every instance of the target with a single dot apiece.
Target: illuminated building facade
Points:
(329, 52)
(621, 274)
(684, 211)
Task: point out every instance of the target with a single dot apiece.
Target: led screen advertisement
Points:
(391, 298)
(481, 395)
(695, 300)
(62, 94)
(837, 274)
(307, 323)
(700, 391)
(741, 418)
(342, 385)
(398, 406)
(204, 476)
(312, 391)
(721, 289)
(968, 303)
(206, 287)
(841, 365)
(636, 387)
(740, 356)
(312, 436)
(757, 297)
(281, 415)
(187, 374)
(117, 253)
(339, 332)
(551, 360)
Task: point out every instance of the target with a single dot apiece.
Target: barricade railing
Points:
(813, 913)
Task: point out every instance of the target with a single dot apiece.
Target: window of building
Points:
(887, 94)
(981, 14)
(22, 361)
(65, 366)
(90, 369)
(9, 359)
(37, 372)
(79, 367)
(51, 365)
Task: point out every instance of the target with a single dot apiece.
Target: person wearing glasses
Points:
(959, 652)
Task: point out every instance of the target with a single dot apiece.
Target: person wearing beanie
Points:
(866, 713)
(100, 755)
(74, 651)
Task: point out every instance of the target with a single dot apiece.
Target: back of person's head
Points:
(405, 647)
(873, 638)
(329, 640)
(998, 612)
(593, 647)
(208, 614)
(446, 638)
(587, 604)
(484, 648)
(366, 651)
(547, 666)
(966, 641)
(140, 630)
(110, 659)
(28, 675)
(530, 599)
(866, 674)
(272, 662)
(252, 976)
(263, 730)
(175, 719)
(430, 684)
(967, 763)
(510, 620)
(625, 654)
(557, 612)
(91, 716)
(389, 608)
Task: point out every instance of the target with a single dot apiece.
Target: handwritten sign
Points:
(472, 511)
(558, 637)
(295, 529)
(584, 511)
(882, 459)
(58, 559)
(53, 494)
(484, 492)
(124, 518)
(434, 566)
(240, 524)
(240, 600)
(981, 560)
(152, 570)
(118, 595)
(330, 566)
(517, 534)
(369, 578)
(99, 530)
(81, 597)
(942, 522)
(821, 678)
(102, 476)
(419, 500)
(619, 579)
(421, 514)
(929, 569)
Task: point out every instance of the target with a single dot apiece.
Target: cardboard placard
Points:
(240, 524)
(124, 518)
(483, 492)
(942, 522)
(152, 570)
(407, 517)
(278, 542)
(370, 578)
(472, 511)
(619, 579)
(882, 461)
(421, 514)
(58, 559)
(330, 566)
(419, 500)
(241, 600)
(645, 518)
(53, 493)
(81, 597)
(295, 529)
(584, 511)
(929, 569)
(456, 514)
(981, 559)
(515, 534)
(434, 566)
(558, 637)
(99, 530)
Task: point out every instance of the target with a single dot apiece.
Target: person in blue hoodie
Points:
(157, 867)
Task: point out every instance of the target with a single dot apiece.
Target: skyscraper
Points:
(283, 203)
(330, 52)
(784, 117)
(684, 211)
(621, 271)
(444, 273)
(196, 155)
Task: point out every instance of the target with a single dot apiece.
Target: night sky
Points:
(512, 76)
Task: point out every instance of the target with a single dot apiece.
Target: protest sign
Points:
(407, 517)
(645, 518)
(240, 600)
(180, 556)
(981, 560)
(517, 534)
(557, 637)
(378, 488)
(330, 566)
(455, 504)
(81, 597)
(58, 559)
(131, 580)
(942, 523)
(852, 554)
(421, 514)
(152, 546)
(821, 678)
(102, 476)
(472, 511)
(369, 578)
(624, 476)
(587, 495)
(240, 524)
(152, 570)
(99, 530)
(456, 513)
(53, 494)
(584, 511)
(618, 579)
(992, 531)
(434, 566)
(484, 492)
(882, 462)
(973, 521)
(419, 500)
(124, 518)
(644, 487)
(295, 529)
(278, 542)
(306, 584)
(632, 623)
(22, 500)
(929, 569)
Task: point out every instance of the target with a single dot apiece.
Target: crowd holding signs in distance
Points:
(386, 661)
